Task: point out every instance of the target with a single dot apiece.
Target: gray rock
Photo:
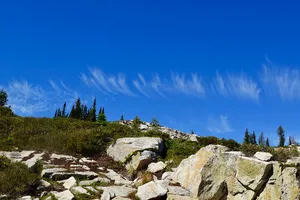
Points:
(77, 174)
(79, 190)
(116, 191)
(30, 162)
(264, 156)
(71, 182)
(125, 147)
(156, 167)
(65, 195)
(141, 160)
(176, 190)
(151, 190)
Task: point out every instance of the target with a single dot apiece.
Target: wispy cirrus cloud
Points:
(282, 81)
(107, 84)
(241, 86)
(192, 85)
(219, 125)
(26, 98)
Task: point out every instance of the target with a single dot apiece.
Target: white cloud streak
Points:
(219, 125)
(240, 86)
(191, 86)
(26, 98)
(284, 82)
(107, 84)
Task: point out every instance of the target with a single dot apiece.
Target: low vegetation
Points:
(17, 179)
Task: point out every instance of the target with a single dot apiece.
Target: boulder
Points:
(77, 174)
(16, 155)
(156, 167)
(45, 184)
(152, 190)
(252, 173)
(69, 183)
(167, 176)
(117, 178)
(188, 173)
(91, 182)
(79, 190)
(141, 160)
(117, 191)
(65, 195)
(126, 147)
(30, 162)
(264, 156)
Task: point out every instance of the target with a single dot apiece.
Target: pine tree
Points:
(78, 109)
(93, 111)
(246, 137)
(290, 140)
(261, 140)
(55, 114)
(136, 123)
(267, 142)
(72, 113)
(58, 113)
(154, 123)
(102, 117)
(254, 138)
(192, 132)
(84, 112)
(122, 118)
(280, 132)
(3, 98)
(63, 113)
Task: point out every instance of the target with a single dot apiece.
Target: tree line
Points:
(80, 111)
(250, 138)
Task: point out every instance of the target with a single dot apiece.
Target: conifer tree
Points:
(154, 122)
(78, 109)
(63, 112)
(102, 117)
(84, 112)
(122, 118)
(72, 113)
(246, 137)
(3, 98)
(254, 138)
(55, 114)
(93, 111)
(280, 132)
(261, 140)
(58, 113)
(136, 123)
(267, 142)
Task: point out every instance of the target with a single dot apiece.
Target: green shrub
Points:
(279, 154)
(16, 178)
(6, 112)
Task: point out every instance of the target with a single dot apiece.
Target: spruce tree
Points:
(261, 140)
(63, 112)
(84, 112)
(58, 113)
(3, 98)
(254, 138)
(72, 113)
(122, 118)
(267, 142)
(55, 114)
(78, 109)
(136, 123)
(246, 137)
(154, 122)
(280, 132)
(93, 111)
(102, 117)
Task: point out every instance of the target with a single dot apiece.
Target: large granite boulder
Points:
(152, 190)
(124, 148)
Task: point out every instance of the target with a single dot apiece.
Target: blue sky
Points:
(214, 67)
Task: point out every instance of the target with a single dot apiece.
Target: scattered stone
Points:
(125, 147)
(71, 182)
(167, 176)
(264, 156)
(66, 157)
(91, 182)
(79, 190)
(89, 188)
(151, 190)
(48, 172)
(117, 191)
(45, 184)
(16, 155)
(77, 174)
(26, 198)
(178, 197)
(87, 160)
(141, 160)
(30, 162)
(117, 178)
(156, 167)
(65, 195)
